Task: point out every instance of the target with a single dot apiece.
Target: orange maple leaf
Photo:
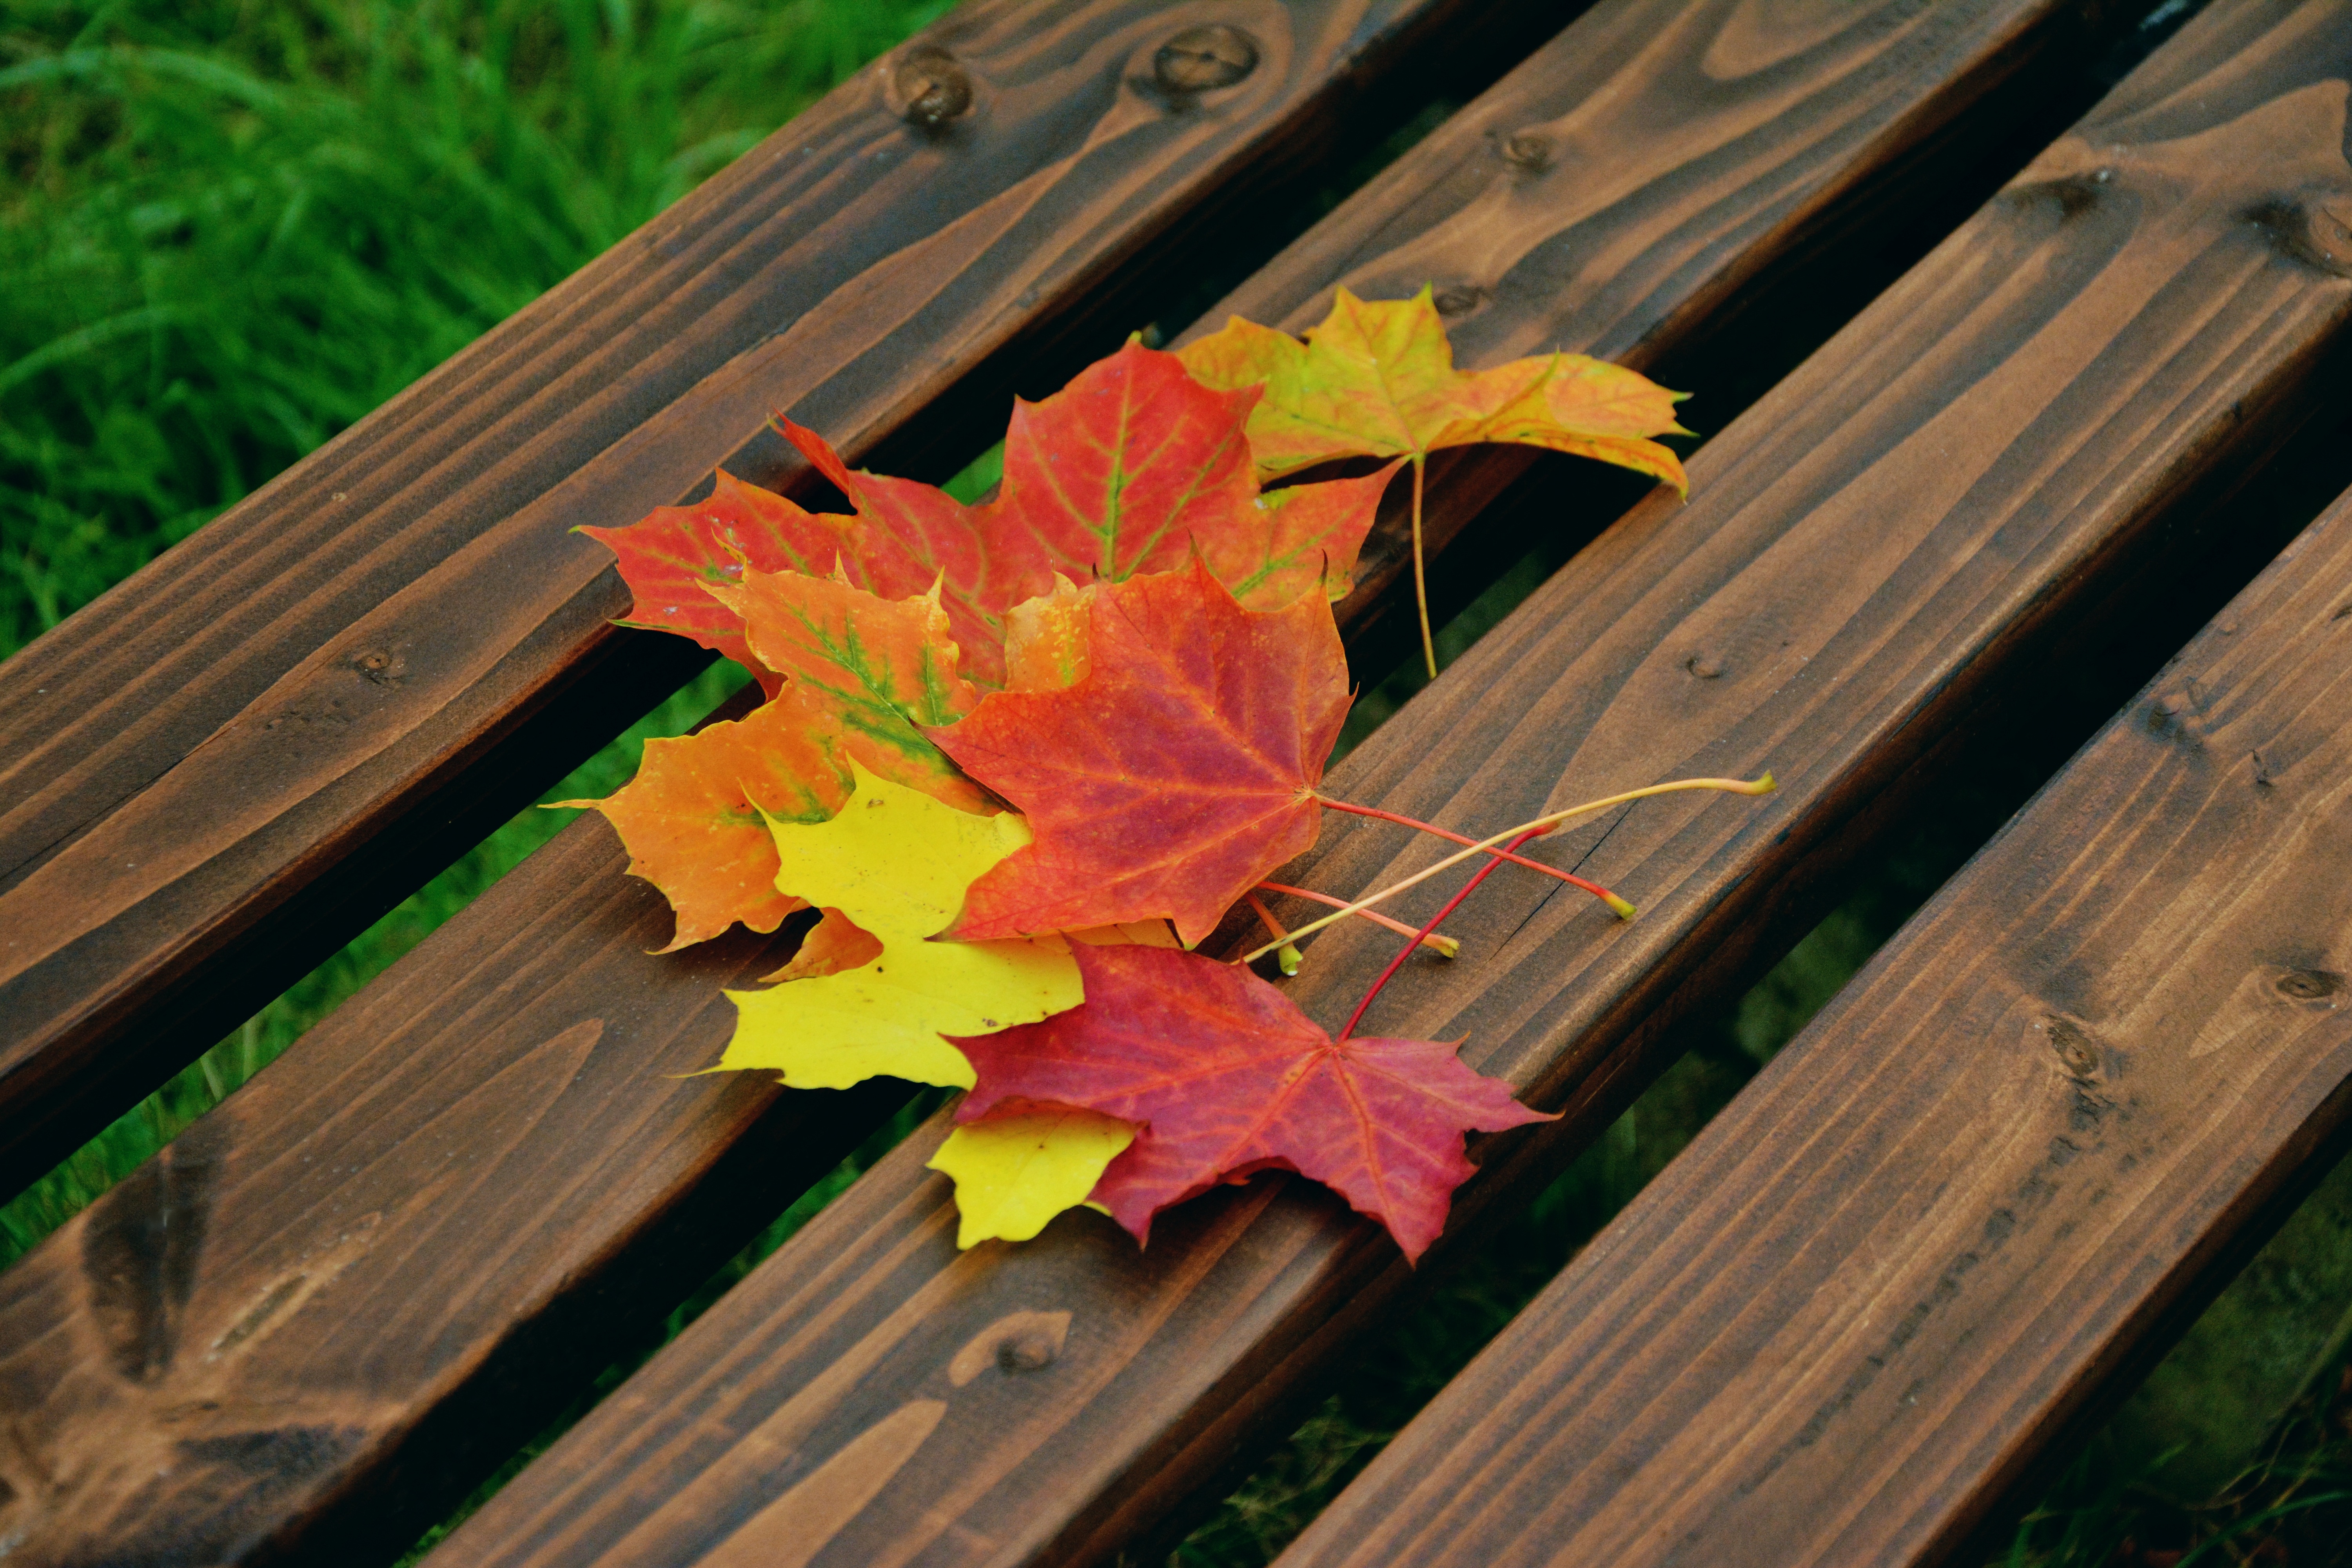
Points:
(691, 819)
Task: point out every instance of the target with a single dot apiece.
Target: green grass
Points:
(230, 227)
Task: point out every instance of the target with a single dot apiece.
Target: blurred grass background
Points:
(230, 227)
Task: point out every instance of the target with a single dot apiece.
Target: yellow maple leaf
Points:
(896, 862)
(1015, 1173)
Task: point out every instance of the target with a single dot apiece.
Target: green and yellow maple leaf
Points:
(1377, 379)
(881, 670)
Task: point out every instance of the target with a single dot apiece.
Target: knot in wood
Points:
(1032, 1350)
(1016, 1342)
(931, 87)
(2075, 1049)
(1527, 152)
(2327, 233)
(2309, 985)
(2315, 229)
(384, 668)
(1458, 299)
(1199, 59)
(1702, 667)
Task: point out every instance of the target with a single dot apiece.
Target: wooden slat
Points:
(1858, 1307)
(528, 1280)
(227, 766)
(1897, 531)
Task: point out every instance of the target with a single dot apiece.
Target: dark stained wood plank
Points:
(424, 1399)
(1856, 1310)
(1645, 177)
(335, 1302)
(1874, 554)
(225, 767)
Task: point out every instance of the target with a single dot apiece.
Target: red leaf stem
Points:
(1595, 889)
(1437, 919)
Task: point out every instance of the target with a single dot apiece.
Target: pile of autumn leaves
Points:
(1131, 648)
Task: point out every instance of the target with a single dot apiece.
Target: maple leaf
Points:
(1227, 1077)
(1045, 638)
(1172, 778)
(1377, 379)
(896, 862)
(883, 670)
(695, 819)
(1127, 469)
(676, 553)
(1015, 1172)
(1310, 533)
(1115, 474)
(902, 539)
(1136, 465)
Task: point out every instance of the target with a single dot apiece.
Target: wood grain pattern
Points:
(427, 1398)
(1902, 527)
(330, 1305)
(1852, 1312)
(1634, 181)
(227, 765)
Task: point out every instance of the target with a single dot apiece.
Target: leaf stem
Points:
(1764, 786)
(1420, 577)
(1624, 911)
(1286, 957)
(1444, 946)
(1423, 935)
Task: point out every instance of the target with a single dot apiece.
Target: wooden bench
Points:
(332, 1307)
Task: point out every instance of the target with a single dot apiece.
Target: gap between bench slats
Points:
(230, 764)
(453, 1200)
(1901, 528)
(1862, 1303)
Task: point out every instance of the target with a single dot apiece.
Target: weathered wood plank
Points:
(226, 767)
(424, 1399)
(1895, 534)
(1854, 1312)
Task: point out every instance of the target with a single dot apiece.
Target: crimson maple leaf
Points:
(1227, 1077)
(1173, 775)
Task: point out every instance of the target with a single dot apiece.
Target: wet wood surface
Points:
(230, 764)
(1904, 525)
(569, 1190)
(1842, 1323)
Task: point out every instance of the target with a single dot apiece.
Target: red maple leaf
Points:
(902, 538)
(1135, 466)
(1171, 777)
(1227, 1077)
(1129, 469)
